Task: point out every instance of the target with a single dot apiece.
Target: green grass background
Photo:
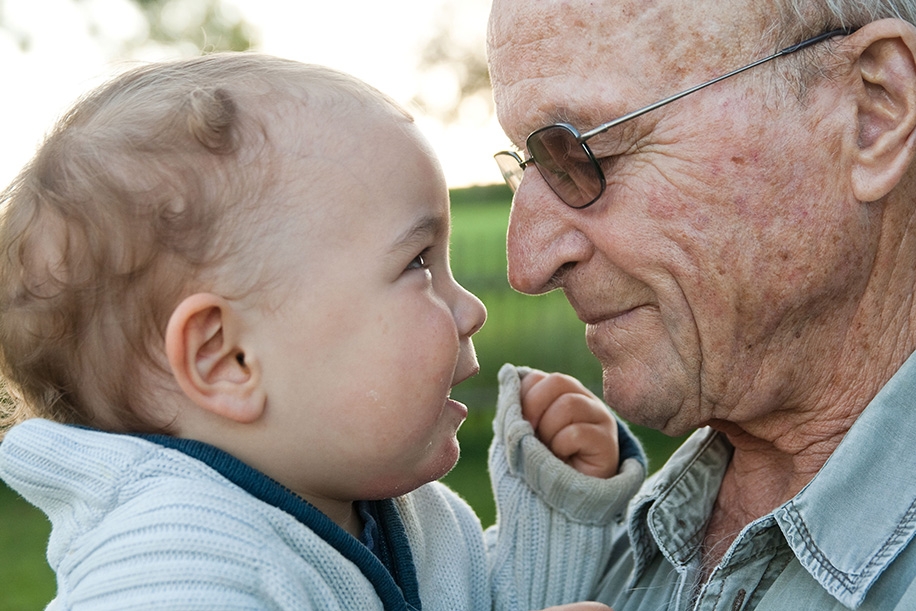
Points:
(542, 332)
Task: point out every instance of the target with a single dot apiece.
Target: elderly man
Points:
(743, 253)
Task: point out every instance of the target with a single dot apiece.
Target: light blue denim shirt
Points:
(845, 541)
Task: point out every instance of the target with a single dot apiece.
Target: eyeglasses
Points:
(566, 162)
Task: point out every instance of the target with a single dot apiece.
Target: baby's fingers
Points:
(573, 408)
(540, 391)
(589, 448)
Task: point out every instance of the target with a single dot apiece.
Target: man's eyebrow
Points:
(424, 229)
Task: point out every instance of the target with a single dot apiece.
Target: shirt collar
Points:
(867, 485)
(867, 482)
(670, 512)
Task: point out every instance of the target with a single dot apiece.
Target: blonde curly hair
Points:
(148, 187)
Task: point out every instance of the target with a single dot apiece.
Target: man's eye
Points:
(608, 162)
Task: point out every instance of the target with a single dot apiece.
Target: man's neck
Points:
(779, 450)
(762, 475)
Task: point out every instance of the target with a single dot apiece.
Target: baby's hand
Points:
(571, 421)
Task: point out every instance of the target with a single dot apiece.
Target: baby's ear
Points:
(203, 344)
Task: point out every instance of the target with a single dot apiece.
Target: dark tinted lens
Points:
(566, 165)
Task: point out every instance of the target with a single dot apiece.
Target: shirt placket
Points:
(752, 563)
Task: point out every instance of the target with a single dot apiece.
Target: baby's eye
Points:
(420, 261)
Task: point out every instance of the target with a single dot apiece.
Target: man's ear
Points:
(204, 351)
(886, 69)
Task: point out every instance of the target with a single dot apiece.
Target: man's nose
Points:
(542, 238)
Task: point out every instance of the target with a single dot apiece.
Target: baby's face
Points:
(376, 331)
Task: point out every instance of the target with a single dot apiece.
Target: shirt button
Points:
(739, 600)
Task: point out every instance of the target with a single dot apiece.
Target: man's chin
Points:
(643, 398)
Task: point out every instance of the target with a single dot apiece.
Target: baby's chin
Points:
(436, 467)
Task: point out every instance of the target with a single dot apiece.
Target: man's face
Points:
(724, 255)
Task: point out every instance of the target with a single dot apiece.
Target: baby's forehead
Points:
(354, 133)
(322, 89)
(328, 145)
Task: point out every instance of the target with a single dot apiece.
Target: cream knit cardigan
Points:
(139, 526)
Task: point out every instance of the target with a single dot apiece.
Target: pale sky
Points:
(375, 41)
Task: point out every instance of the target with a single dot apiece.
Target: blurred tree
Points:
(192, 26)
(209, 25)
(459, 55)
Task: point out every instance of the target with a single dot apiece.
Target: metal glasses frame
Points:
(512, 173)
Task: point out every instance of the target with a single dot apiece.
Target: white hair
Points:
(799, 19)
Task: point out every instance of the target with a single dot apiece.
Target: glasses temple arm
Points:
(788, 50)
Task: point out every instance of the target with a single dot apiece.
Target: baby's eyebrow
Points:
(424, 229)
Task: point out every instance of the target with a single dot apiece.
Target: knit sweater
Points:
(160, 523)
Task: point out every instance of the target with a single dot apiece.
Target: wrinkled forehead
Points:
(571, 59)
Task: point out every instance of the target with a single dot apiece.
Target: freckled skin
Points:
(730, 275)
(694, 219)
(737, 240)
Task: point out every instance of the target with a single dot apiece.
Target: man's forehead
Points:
(525, 22)
(576, 58)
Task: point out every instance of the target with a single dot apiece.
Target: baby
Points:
(230, 326)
